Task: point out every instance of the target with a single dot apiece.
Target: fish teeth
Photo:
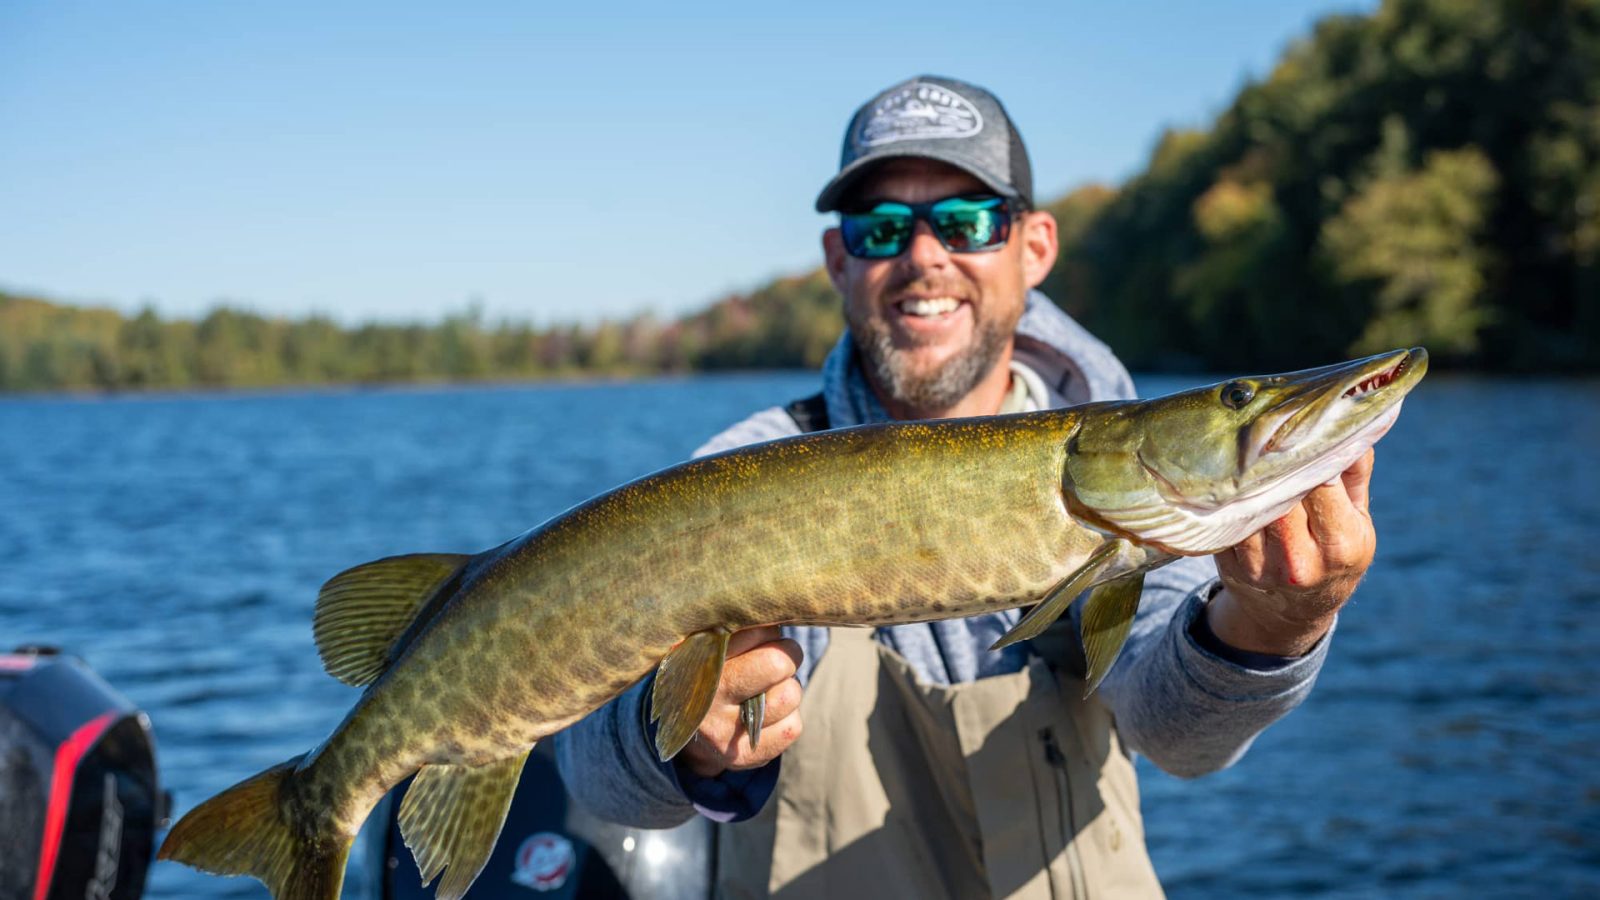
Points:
(1382, 379)
(931, 306)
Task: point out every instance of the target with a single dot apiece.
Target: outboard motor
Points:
(552, 849)
(79, 800)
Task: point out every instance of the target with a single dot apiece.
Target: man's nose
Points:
(925, 249)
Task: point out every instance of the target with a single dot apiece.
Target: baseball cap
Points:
(934, 118)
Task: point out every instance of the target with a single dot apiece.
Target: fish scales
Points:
(470, 660)
(857, 527)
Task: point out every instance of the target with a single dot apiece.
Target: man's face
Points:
(931, 325)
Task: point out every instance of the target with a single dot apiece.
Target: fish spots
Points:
(385, 744)
(508, 642)
(424, 719)
(403, 691)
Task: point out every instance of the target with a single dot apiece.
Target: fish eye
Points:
(1237, 394)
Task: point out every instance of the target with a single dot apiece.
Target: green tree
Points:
(1409, 249)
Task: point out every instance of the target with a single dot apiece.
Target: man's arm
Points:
(1204, 674)
(608, 764)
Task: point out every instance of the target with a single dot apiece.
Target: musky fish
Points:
(468, 660)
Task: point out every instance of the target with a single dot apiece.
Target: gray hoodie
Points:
(1178, 695)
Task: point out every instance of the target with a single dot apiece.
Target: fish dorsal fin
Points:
(1107, 617)
(452, 815)
(686, 683)
(1060, 597)
(361, 611)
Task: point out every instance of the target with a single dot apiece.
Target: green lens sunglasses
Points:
(973, 224)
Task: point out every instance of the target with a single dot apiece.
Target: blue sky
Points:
(397, 161)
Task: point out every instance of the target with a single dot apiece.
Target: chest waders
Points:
(1008, 786)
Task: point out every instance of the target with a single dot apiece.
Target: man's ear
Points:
(1039, 246)
(835, 258)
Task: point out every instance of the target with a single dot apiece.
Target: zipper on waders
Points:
(1069, 832)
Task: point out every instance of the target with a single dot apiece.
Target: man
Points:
(931, 766)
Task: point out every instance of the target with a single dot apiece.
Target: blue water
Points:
(1451, 747)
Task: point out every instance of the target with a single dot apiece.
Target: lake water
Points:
(1452, 746)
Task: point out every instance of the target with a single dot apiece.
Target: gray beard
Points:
(890, 372)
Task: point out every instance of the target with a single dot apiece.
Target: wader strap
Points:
(810, 413)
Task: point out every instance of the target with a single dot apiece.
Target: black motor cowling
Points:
(79, 800)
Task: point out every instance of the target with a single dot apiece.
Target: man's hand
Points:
(1284, 584)
(760, 660)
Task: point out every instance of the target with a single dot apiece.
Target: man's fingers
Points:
(726, 743)
(1357, 479)
(758, 669)
(742, 641)
(1293, 557)
(776, 736)
(1304, 565)
(760, 661)
(1342, 532)
(782, 700)
(1247, 560)
(1330, 513)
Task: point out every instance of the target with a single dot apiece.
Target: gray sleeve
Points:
(610, 768)
(1191, 712)
(606, 758)
(766, 425)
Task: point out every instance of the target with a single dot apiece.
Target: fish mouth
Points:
(1385, 378)
(1313, 425)
(1304, 410)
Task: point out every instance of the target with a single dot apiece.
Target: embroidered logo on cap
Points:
(544, 861)
(919, 112)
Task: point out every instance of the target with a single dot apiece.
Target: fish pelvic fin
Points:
(686, 683)
(361, 612)
(452, 815)
(753, 712)
(1107, 619)
(246, 830)
(1060, 597)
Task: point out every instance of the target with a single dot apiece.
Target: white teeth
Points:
(935, 306)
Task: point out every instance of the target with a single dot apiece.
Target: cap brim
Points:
(842, 183)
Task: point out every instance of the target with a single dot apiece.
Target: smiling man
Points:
(931, 766)
(933, 323)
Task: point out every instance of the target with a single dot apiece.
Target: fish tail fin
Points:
(247, 830)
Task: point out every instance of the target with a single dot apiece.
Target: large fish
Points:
(469, 660)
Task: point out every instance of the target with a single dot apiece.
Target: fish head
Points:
(1196, 472)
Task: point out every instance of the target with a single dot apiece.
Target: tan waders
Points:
(1010, 786)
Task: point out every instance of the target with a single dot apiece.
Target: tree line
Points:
(791, 322)
(1428, 174)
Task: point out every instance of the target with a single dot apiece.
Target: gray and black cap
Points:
(934, 118)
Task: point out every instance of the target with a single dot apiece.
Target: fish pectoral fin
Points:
(686, 683)
(362, 611)
(451, 817)
(1107, 618)
(1060, 597)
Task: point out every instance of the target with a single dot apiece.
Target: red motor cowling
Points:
(79, 800)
